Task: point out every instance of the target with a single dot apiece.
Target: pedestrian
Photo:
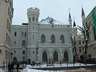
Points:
(17, 67)
(9, 67)
(12, 65)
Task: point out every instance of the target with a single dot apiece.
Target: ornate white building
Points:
(42, 41)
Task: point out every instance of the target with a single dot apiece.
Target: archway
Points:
(55, 56)
(66, 59)
(44, 56)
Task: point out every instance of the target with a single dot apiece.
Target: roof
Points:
(24, 23)
(50, 20)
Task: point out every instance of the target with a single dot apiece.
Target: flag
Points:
(94, 19)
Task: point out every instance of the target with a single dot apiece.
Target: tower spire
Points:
(69, 14)
(70, 20)
(74, 24)
(83, 15)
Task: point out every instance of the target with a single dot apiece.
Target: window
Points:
(83, 42)
(29, 19)
(94, 51)
(33, 27)
(22, 34)
(33, 52)
(15, 34)
(6, 0)
(14, 51)
(7, 24)
(25, 34)
(79, 42)
(44, 56)
(14, 42)
(23, 43)
(43, 38)
(52, 39)
(66, 56)
(89, 55)
(37, 19)
(79, 49)
(62, 38)
(8, 11)
(55, 56)
(33, 19)
(33, 37)
(7, 39)
(29, 27)
(23, 52)
(94, 33)
(23, 58)
(29, 52)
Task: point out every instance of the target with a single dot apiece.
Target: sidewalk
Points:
(7, 71)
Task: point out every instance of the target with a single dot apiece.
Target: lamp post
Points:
(11, 56)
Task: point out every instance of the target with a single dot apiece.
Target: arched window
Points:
(62, 38)
(52, 39)
(55, 56)
(15, 34)
(23, 43)
(44, 56)
(33, 19)
(43, 38)
(66, 56)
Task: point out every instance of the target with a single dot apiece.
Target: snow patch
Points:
(50, 20)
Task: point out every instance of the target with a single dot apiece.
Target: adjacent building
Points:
(90, 24)
(6, 14)
(78, 46)
(43, 41)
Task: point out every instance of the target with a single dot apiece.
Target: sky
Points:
(57, 9)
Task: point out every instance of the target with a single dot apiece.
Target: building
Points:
(43, 41)
(78, 47)
(6, 14)
(90, 24)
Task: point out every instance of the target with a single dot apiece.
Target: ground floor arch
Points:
(55, 56)
(66, 56)
(44, 56)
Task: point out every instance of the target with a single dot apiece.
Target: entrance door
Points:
(55, 56)
(66, 56)
(44, 56)
(29, 61)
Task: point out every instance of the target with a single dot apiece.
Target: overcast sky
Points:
(57, 9)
